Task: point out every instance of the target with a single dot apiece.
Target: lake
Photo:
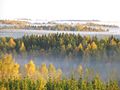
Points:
(21, 33)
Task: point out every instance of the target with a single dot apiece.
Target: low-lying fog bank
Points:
(107, 70)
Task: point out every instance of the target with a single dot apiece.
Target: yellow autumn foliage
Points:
(30, 68)
(80, 46)
(8, 67)
(42, 83)
(87, 48)
(44, 70)
(52, 71)
(11, 43)
(93, 46)
(3, 88)
(22, 47)
(4, 39)
(113, 42)
(58, 74)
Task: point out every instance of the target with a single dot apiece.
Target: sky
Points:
(106, 10)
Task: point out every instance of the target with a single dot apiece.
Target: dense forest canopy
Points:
(63, 45)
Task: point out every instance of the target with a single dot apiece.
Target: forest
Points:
(29, 76)
(16, 24)
(63, 45)
(59, 45)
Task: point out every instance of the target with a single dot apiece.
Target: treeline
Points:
(64, 45)
(64, 27)
(30, 77)
(102, 25)
(14, 24)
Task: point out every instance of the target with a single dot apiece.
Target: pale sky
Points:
(108, 10)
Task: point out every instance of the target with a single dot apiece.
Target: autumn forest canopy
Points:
(66, 46)
(70, 47)
(31, 77)
(50, 45)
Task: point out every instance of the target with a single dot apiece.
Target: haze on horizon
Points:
(106, 10)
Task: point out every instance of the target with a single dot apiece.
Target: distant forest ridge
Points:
(79, 20)
(67, 25)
